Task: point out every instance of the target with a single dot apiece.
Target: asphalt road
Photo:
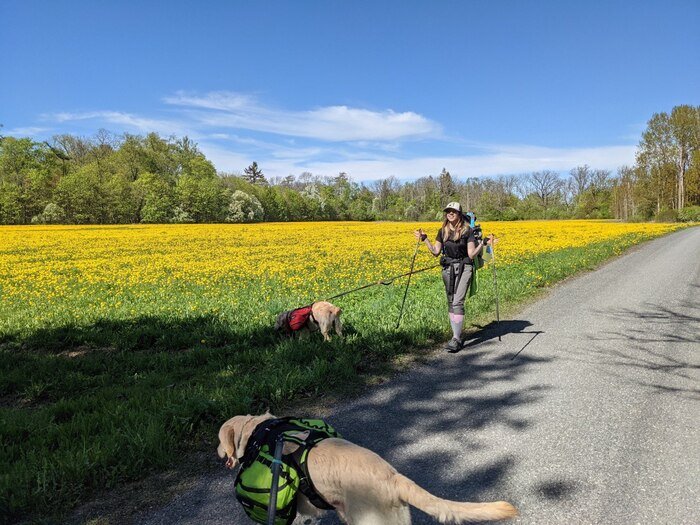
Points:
(586, 411)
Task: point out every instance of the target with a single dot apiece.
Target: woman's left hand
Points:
(490, 240)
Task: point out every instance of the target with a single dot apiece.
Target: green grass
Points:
(90, 405)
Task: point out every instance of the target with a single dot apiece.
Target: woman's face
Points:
(451, 215)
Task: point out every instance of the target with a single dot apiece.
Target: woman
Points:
(455, 241)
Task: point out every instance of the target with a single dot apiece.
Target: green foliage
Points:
(253, 175)
(79, 195)
(275, 209)
(199, 167)
(157, 197)
(668, 162)
(10, 207)
(180, 216)
(689, 214)
(37, 190)
(108, 179)
(204, 199)
(594, 203)
(666, 215)
(121, 199)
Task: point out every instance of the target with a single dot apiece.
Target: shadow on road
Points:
(657, 338)
(425, 423)
(557, 490)
(497, 330)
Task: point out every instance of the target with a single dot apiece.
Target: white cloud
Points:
(331, 123)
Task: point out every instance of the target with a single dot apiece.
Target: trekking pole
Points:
(413, 261)
(276, 463)
(495, 285)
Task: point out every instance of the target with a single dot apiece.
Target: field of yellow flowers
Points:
(120, 345)
(60, 273)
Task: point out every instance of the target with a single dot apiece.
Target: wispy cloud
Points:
(131, 121)
(331, 123)
(28, 131)
(234, 129)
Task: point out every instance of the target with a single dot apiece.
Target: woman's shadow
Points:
(498, 329)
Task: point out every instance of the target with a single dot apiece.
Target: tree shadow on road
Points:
(659, 339)
(441, 424)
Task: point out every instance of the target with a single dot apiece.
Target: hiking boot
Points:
(454, 345)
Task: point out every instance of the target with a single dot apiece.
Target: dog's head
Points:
(234, 435)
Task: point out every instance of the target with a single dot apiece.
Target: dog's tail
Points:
(447, 511)
(336, 321)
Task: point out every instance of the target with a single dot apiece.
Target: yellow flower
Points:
(142, 267)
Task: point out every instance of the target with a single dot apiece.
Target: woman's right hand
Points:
(419, 234)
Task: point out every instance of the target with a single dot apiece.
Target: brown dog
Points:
(324, 317)
(362, 487)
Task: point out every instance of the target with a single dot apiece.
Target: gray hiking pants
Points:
(455, 302)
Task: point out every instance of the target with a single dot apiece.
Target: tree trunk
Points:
(681, 180)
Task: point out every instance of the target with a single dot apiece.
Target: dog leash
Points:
(385, 282)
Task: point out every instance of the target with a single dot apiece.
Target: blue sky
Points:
(374, 89)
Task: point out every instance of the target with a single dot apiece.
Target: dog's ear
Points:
(227, 442)
(245, 429)
(234, 435)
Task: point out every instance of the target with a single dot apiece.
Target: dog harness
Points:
(296, 319)
(254, 481)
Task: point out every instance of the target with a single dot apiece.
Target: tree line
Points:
(113, 179)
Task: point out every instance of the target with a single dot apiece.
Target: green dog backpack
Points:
(254, 481)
